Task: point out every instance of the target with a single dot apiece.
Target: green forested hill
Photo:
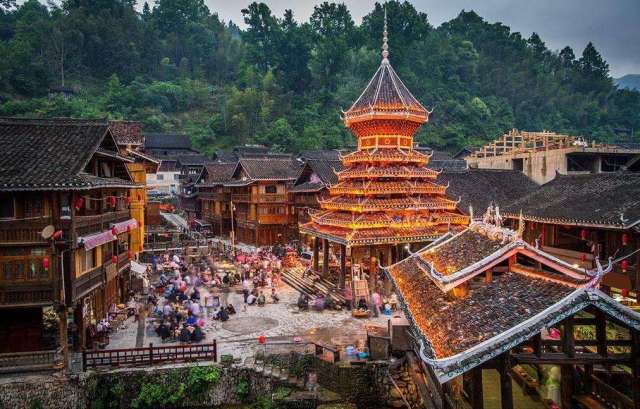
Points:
(177, 67)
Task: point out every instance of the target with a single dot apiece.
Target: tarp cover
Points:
(94, 240)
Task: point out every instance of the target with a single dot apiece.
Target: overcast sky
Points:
(612, 25)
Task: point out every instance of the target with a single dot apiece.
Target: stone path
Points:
(278, 322)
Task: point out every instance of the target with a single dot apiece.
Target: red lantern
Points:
(57, 235)
(130, 254)
(624, 292)
(624, 264)
(114, 231)
(79, 203)
(114, 259)
(45, 263)
(625, 239)
(262, 340)
(112, 201)
(584, 234)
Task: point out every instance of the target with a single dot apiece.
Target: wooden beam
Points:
(477, 398)
(506, 392)
(559, 358)
(635, 368)
(601, 333)
(567, 375)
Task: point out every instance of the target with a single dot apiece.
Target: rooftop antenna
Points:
(385, 40)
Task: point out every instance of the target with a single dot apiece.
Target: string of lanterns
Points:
(111, 200)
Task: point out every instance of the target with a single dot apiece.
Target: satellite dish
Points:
(47, 232)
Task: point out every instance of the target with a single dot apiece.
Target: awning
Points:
(201, 223)
(94, 240)
(123, 226)
(138, 268)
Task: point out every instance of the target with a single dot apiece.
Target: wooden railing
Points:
(273, 218)
(123, 260)
(272, 198)
(605, 393)
(149, 356)
(23, 230)
(244, 197)
(94, 223)
(28, 361)
(88, 281)
(27, 295)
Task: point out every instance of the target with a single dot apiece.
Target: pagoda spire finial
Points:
(385, 40)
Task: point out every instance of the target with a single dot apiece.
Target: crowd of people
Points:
(191, 290)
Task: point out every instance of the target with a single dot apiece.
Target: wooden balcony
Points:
(23, 295)
(273, 219)
(240, 197)
(87, 282)
(93, 223)
(272, 198)
(24, 231)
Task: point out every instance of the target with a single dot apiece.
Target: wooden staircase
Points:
(312, 285)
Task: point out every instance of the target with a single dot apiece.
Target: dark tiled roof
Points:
(307, 187)
(320, 154)
(456, 165)
(226, 156)
(466, 249)
(219, 172)
(465, 151)
(49, 153)
(386, 93)
(606, 199)
(168, 165)
(326, 170)
(480, 187)
(190, 160)
(166, 141)
(127, 132)
(453, 325)
(270, 168)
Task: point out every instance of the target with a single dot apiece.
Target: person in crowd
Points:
(261, 300)
(274, 295)
(303, 302)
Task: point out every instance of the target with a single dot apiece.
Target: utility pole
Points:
(233, 231)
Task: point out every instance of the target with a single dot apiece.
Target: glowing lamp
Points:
(262, 340)
(624, 292)
(624, 264)
(45, 263)
(625, 239)
(584, 234)
(114, 259)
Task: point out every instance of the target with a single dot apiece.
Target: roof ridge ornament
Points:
(385, 40)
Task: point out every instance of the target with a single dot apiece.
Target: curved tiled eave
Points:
(381, 156)
(370, 172)
(367, 188)
(359, 205)
(355, 221)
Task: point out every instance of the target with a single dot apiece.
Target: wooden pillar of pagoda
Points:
(506, 389)
(635, 367)
(325, 258)
(477, 398)
(316, 248)
(343, 265)
(566, 371)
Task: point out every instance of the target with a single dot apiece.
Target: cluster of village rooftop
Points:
(81, 199)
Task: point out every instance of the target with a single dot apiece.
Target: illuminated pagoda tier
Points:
(385, 194)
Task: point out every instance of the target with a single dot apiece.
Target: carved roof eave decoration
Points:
(351, 118)
(513, 245)
(450, 367)
(574, 222)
